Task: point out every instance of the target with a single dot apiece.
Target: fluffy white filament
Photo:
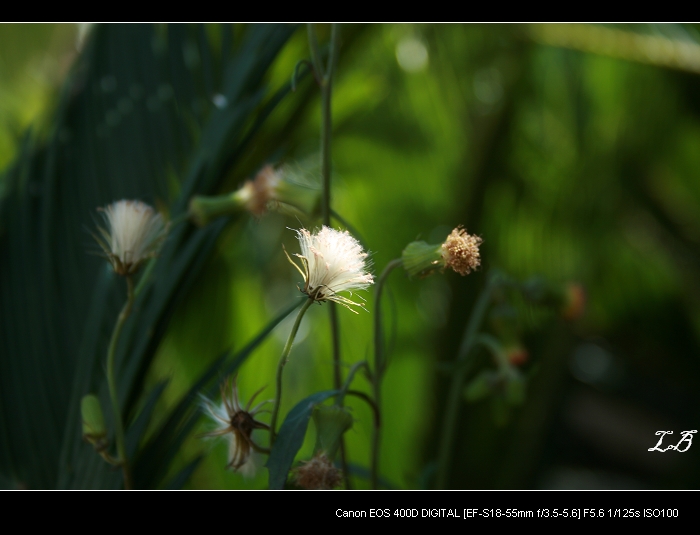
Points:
(333, 262)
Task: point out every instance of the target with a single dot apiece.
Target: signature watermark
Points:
(687, 438)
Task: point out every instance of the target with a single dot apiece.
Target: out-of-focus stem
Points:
(325, 80)
(112, 383)
(462, 370)
(379, 365)
(283, 360)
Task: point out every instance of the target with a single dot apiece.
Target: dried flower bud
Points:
(271, 189)
(459, 252)
(254, 195)
(319, 473)
(516, 354)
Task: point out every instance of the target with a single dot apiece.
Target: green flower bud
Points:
(94, 430)
(460, 252)
(203, 210)
(421, 259)
(279, 189)
(331, 422)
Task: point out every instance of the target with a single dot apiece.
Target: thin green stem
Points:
(370, 402)
(315, 53)
(348, 380)
(327, 130)
(145, 277)
(462, 370)
(379, 366)
(111, 381)
(325, 80)
(283, 360)
(496, 350)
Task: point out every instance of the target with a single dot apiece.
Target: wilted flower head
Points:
(319, 473)
(237, 425)
(134, 232)
(280, 188)
(255, 194)
(332, 261)
(460, 252)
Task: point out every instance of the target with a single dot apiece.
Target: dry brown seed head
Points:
(319, 473)
(461, 251)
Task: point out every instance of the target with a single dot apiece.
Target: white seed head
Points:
(333, 262)
(134, 232)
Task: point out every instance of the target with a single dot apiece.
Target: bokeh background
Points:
(572, 150)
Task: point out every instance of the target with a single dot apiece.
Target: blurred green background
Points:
(573, 151)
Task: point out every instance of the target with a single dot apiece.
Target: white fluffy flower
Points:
(333, 261)
(134, 232)
(236, 424)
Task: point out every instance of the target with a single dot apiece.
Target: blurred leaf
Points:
(138, 428)
(135, 120)
(179, 480)
(155, 457)
(291, 437)
(515, 390)
(479, 387)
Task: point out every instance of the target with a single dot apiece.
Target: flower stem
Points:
(112, 383)
(348, 380)
(463, 368)
(379, 366)
(325, 81)
(283, 360)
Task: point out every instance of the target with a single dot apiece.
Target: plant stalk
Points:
(455, 393)
(325, 80)
(280, 367)
(112, 383)
(379, 365)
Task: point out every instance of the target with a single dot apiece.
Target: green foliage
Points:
(291, 436)
(135, 120)
(574, 156)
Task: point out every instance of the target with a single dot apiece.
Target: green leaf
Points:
(480, 387)
(515, 390)
(183, 475)
(291, 437)
(137, 429)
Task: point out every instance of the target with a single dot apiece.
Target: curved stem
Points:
(368, 400)
(455, 393)
(283, 360)
(112, 383)
(379, 366)
(378, 331)
(348, 380)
